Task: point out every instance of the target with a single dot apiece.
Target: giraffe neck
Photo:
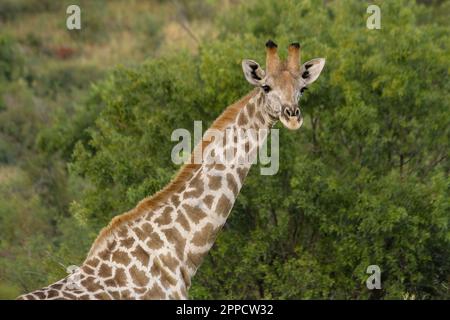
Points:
(152, 251)
(207, 199)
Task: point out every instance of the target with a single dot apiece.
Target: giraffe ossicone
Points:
(154, 250)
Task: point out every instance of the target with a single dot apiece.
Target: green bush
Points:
(11, 61)
(12, 9)
(364, 182)
(58, 80)
(21, 216)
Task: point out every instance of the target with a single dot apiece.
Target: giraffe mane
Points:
(183, 175)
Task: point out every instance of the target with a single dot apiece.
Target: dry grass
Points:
(9, 174)
(120, 35)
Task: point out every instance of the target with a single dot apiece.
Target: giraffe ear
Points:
(311, 70)
(253, 72)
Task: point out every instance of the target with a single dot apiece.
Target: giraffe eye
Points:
(266, 88)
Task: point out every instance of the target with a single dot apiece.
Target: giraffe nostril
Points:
(292, 112)
(288, 112)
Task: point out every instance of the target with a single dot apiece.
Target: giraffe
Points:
(154, 250)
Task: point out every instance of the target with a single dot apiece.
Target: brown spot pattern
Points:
(69, 295)
(139, 233)
(202, 237)
(260, 118)
(87, 269)
(242, 173)
(175, 237)
(121, 257)
(169, 261)
(194, 259)
(251, 109)
(102, 296)
(91, 284)
(105, 255)
(147, 227)
(115, 295)
(215, 182)
(182, 220)
(194, 213)
(223, 206)
(111, 245)
(242, 119)
(125, 295)
(165, 217)
(198, 185)
(122, 232)
(127, 243)
(93, 262)
(105, 271)
(140, 254)
(208, 200)
(186, 277)
(139, 277)
(232, 184)
(156, 268)
(154, 241)
(175, 200)
(155, 292)
(166, 279)
(219, 167)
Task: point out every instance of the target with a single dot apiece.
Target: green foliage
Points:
(11, 62)
(128, 134)
(12, 9)
(19, 121)
(67, 79)
(21, 215)
(363, 183)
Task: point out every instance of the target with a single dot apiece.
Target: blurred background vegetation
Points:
(86, 117)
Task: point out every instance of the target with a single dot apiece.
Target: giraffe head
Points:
(283, 82)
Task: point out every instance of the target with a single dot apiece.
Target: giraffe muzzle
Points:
(291, 117)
